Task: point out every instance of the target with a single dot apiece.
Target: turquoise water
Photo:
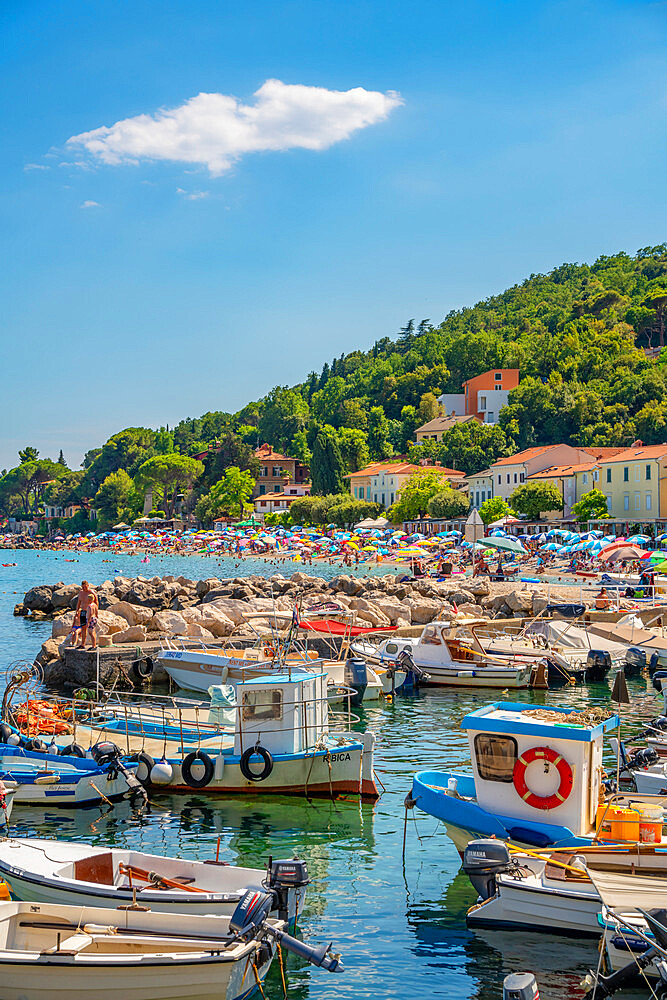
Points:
(401, 929)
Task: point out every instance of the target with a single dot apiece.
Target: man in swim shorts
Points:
(84, 610)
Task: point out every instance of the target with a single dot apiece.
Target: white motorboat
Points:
(452, 656)
(58, 871)
(552, 890)
(40, 778)
(54, 952)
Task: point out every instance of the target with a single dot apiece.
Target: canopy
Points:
(508, 544)
(332, 627)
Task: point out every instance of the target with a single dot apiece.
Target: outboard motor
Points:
(658, 678)
(414, 675)
(658, 661)
(635, 661)
(520, 986)
(598, 664)
(107, 754)
(250, 917)
(646, 757)
(356, 677)
(659, 723)
(482, 861)
(283, 876)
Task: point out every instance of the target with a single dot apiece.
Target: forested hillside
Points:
(577, 335)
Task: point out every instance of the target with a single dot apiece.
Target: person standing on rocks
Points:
(85, 609)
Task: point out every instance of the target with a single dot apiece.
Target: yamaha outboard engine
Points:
(286, 875)
(414, 675)
(356, 677)
(107, 754)
(646, 757)
(482, 861)
(658, 661)
(520, 986)
(635, 661)
(598, 664)
(250, 918)
(658, 679)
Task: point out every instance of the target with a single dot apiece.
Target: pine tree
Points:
(327, 467)
(324, 377)
(61, 459)
(406, 337)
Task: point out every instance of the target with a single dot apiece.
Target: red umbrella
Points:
(620, 550)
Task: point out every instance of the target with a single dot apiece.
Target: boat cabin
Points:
(541, 765)
(287, 713)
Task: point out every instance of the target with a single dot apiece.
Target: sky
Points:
(202, 200)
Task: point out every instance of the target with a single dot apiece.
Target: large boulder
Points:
(63, 596)
(233, 609)
(478, 587)
(50, 651)
(215, 621)
(135, 633)
(370, 612)
(350, 585)
(198, 631)
(520, 600)
(397, 612)
(147, 595)
(204, 586)
(423, 609)
(132, 613)
(39, 599)
(169, 623)
(107, 624)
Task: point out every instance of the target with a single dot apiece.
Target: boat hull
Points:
(528, 905)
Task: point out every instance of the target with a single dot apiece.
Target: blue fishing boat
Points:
(537, 777)
(38, 778)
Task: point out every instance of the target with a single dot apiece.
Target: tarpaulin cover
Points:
(567, 610)
(340, 628)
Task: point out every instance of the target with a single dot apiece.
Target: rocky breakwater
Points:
(143, 610)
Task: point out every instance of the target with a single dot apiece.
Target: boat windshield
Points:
(431, 636)
(496, 757)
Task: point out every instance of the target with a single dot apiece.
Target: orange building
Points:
(483, 396)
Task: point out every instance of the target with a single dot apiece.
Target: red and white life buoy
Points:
(551, 757)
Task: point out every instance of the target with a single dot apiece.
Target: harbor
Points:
(354, 849)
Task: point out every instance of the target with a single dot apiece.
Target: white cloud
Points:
(216, 129)
(35, 166)
(193, 195)
(91, 204)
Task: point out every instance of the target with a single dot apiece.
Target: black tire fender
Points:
(142, 669)
(5, 732)
(72, 750)
(197, 756)
(244, 764)
(145, 759)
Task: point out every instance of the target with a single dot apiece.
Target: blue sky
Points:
(526, 134)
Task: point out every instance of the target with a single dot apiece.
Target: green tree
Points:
(429, 407)
(28, 454)
(173, 474)
(228, 497)
(61, 459)
(353, 448)
(413, 498)
(164, 441)
(533, 499)
(448, 503)
(326, 402)
(300, 449)
(378, 434)
(351, 413)
(494, 509)
(113, 496)
(591, 507)
(326, 467)
(28, 482)
(127, 449)
(351, 511)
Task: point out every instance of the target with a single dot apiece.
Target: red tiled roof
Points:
(402, 468)
(563, 470)
(278, 496)
(643, 452)
(525, 456)
(266, 452)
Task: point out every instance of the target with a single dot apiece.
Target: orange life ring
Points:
(269, 652)
(551, 757)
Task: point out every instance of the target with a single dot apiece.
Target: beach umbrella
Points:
(506, 544)
(620, 550)
(638, 539)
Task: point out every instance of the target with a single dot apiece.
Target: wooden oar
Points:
(153, 877)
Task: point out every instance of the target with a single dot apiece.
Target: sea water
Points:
(400, 927)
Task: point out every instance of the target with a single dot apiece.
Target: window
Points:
(626, 474)
(508, 477)
(483, 495)
(368, 492)
(638, 501)
(262, 490)
(636, 473)
(522, 477)
(626, 501)
(482, 402)
(500, 479)
(496, 757)
(392, 498)
(515, 477)
(391, 647)
(584, 478)
(648, 471)
(596, 476)
(477, 498)
(608, 475)
(375, 498)
(262, 705)
(649, 501)
(489, 416)
(431, 636)
(498, 376)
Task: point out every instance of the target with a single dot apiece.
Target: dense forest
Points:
(586, 339)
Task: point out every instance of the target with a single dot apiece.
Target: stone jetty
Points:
(135, 613)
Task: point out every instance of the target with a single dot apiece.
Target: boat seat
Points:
(70, 945)
(558, 874)
(97, 868)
